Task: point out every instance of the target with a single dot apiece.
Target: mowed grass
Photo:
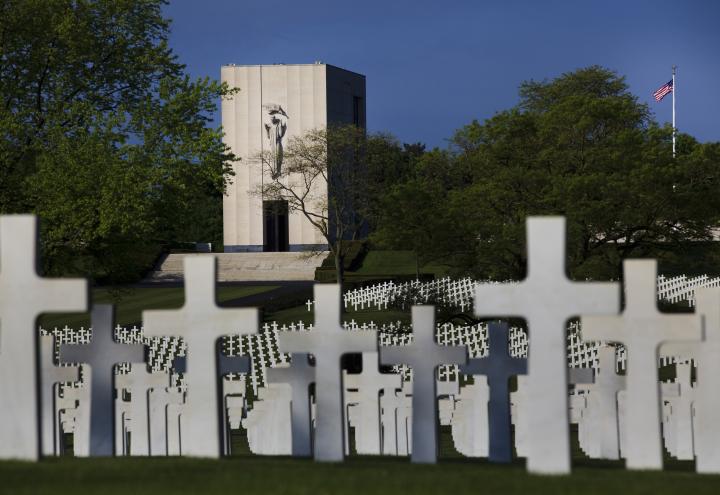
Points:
(357, 475)
(393, 263)
(130, 303)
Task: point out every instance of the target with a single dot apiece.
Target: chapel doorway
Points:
(275, 226)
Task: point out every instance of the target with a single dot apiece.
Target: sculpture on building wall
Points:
(275, 128)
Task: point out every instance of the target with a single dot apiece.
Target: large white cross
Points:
(707, 403)
(328, 342)
(23, 297)
(642, 329)
(424, 356)
(547, 299)
(200, 323)
(102, 354)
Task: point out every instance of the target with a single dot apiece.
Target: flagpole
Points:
(673, 97)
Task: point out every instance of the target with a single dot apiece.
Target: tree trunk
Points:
(339, 271)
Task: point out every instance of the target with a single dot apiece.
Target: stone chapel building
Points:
(274, 103)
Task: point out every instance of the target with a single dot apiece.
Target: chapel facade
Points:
(273, 104)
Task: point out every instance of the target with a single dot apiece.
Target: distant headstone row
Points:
(617, 415)
(460, 293)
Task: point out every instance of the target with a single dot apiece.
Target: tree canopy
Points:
(104, 135)
(580, 145)
(335, 176)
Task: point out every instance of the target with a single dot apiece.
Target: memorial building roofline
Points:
(294, 65)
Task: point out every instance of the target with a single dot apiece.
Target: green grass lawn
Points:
(357, 475)
(393, 263)
(129, 303)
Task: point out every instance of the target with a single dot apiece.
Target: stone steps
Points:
(242, 267)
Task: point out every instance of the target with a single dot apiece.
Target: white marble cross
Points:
(678, 427)
(601, 423)
(200, 323)
(424, 356)
(299, 375)
(138, 382)
(102, 354)
(521, 412)
(369, 383)
(389, 405)
(642, 329)
(470, 421)
(547, 299)
(707, 403)
(75, 414)
(23, 297)
(268, 422)
(157, 406)
(173, 419)
(234, 406)
(499, 367)
(228, 365)
(328, 342)
(51, 376)
(123, 422)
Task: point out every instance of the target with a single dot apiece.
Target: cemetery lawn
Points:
(388, 264)
(130, 302)
(358, 475)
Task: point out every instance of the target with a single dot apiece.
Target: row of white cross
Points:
(460, 293)
(381, 422)
(546, 300)
(454, 292)
(263, 349)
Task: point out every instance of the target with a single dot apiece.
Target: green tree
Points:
(104, 135)
(324, 178)
(582, 146)
(336, 177)
(413, 213)
(388, 163)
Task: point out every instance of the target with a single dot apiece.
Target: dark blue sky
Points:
(433, 66)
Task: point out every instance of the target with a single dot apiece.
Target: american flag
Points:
(663, 90)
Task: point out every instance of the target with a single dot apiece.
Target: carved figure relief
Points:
(275, 123)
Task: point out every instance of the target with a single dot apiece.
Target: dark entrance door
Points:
(275, 220)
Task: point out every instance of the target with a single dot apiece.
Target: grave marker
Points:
(102, 354)
(678, 424)
(424, 356)
(470, 421)
(228, 365)
(707, 404)
(547, 299)
(299, 375)
(642, 329)
(328, 342)
(23, 297)
(200, 323)
(51, 376)
(602, 422)
(139, 381)
(499, 367)
(369, 383)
